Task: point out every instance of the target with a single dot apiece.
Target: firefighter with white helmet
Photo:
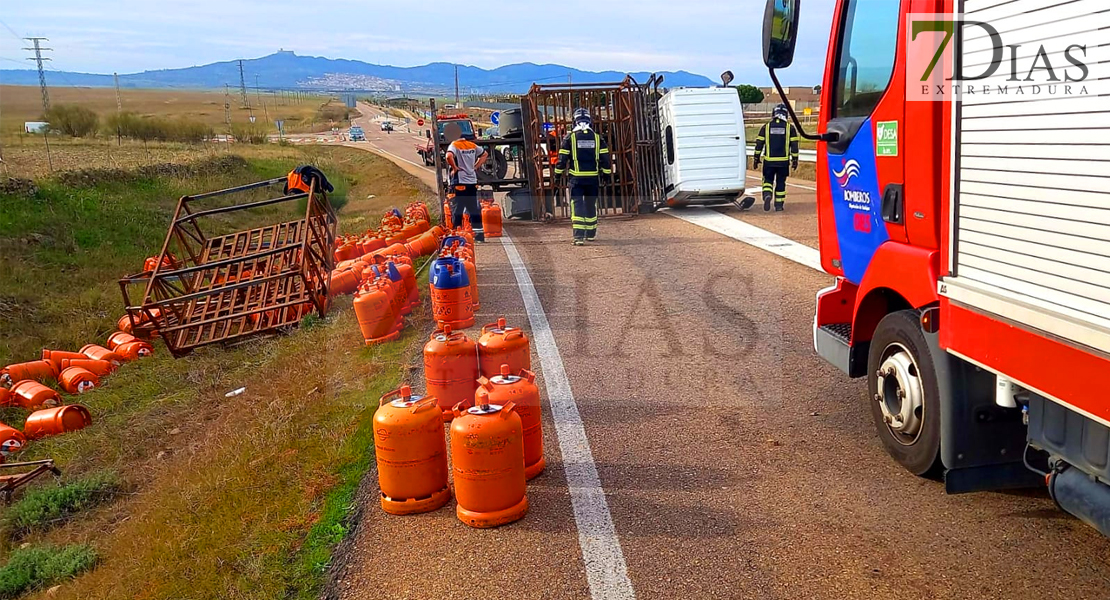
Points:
(586, 156)
(777, 148)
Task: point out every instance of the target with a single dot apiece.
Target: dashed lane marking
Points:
(606, 571)
(751, 235)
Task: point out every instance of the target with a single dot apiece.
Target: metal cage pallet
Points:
(227, 287)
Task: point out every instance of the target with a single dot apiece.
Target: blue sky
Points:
(702, 36)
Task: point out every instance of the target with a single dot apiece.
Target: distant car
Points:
(356, 134)
(387, 126)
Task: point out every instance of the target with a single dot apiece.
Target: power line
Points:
(38, 50)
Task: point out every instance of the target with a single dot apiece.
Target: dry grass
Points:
(228, 498)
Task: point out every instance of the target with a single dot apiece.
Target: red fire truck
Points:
(970, 242)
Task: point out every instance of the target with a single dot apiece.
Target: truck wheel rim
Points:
(901, 395)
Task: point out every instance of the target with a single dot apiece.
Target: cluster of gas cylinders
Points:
(486, 392)
(28, 385)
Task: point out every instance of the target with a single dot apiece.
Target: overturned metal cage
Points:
(625, 114)
(233, 265)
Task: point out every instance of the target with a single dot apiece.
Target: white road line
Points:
(606, 571)
(377, 149)
(751, 235)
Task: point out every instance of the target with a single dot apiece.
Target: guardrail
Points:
(806, 156)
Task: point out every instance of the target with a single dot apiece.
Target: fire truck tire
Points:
(904, 394)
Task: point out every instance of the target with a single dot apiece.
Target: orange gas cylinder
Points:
(374, 310)
(36, 370)
(56, 421)
(77, 380)
(487, 460)
(521, 390)
(5, 396)
(408, 274)
(447, 212)
(371, 244)
(499, 345)
(411, 453)
(491, 219)
(124, 324)
(437, 231)
(450, 369)
(343, 283)
(465, 232)
(472, 273)
(118, 339)
(100, 368)
(449, 289)
(346, 252)
(424, 244)
(101, 353)
(11, 440)
(135, 350)
(33, 395)
(56, 357)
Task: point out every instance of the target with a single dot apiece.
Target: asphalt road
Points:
(734, 462)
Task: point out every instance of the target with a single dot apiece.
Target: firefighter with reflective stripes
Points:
(587, 156)
(777, 148)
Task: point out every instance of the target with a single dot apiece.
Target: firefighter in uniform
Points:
(587, 156)
(777, 148)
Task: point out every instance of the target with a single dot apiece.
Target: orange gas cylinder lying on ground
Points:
(450, 369)
(424, 244)
(374, 311)
(33, 395)
(56, 421)
(100, 368)
(411, 453)
(36, 370)
(101, 353)
(520, 390)
(56, 357)
(11, 440)
(491, 219)
(499, 345)
(76, 380)
(139, 349)
(487, 460)
(343, 283)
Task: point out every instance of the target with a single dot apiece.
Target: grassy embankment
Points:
(176, 491)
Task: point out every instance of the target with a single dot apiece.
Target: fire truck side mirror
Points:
(780, 32)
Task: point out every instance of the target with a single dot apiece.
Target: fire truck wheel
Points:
(904, 394)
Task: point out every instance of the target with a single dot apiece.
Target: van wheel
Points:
(904, 393)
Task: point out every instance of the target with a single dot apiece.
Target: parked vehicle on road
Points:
(971, 262)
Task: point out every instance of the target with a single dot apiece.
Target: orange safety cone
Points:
(36, 370)
(100, 368)
(56, 421)
(77, 380)
(96, 352)
(33, 395)
(521, 390)
(487, 460)
(501, 344)
(411, 453)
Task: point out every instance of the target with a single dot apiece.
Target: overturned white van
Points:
(704, 147)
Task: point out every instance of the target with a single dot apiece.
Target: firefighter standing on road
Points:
(464, 158)
(588, 159)
(777, 148)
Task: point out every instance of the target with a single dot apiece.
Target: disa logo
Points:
(845, 175)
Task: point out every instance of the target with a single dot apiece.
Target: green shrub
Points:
(252, 133)
(44, 507)
(73, 120)
(39, 567)
(147, 129)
